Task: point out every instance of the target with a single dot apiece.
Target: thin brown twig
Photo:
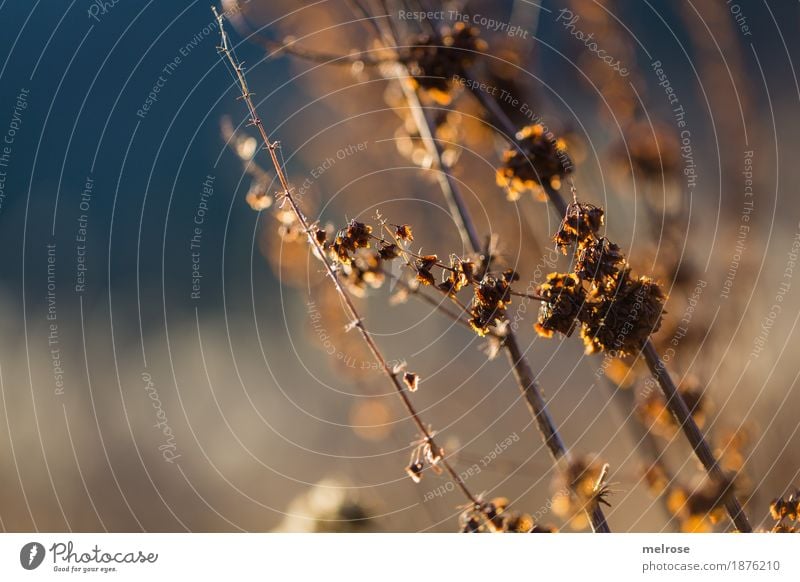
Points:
(679, 409)
(522, 370)
(390, 372)
(415, 292)
(290, 47)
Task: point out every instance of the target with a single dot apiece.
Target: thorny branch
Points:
(391, 373)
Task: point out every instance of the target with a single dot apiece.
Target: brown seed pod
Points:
(411, 381)
(537, 159)
(622, 315)
(564, 297)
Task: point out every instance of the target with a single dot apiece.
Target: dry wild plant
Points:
(614, 310)
(478, 514)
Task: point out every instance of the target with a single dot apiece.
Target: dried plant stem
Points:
(677, 406)
(455, 202)
(522, 370)
(271, 147)
(674, 401)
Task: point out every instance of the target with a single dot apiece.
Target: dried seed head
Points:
(434, 63)
(538, 159)
(488, 307)
(787, 507)
(257, 198)
(411, 381)
(576, 488)
(414, 470)
(698, 510)
(388, 252)
(564, 298)
(359, 234)
(622, 315)
(510, 276)
(581, 223)
(403, 232)
(460, 276)
(597, 259)
(424, 265)
(425, 277)
(471, 525)
(650, 150)
(355, 236)
(656, 478)
(363, 270)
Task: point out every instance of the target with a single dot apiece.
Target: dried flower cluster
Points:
(362, 266)
(537, 159)
(492, 296)
(616, 311)
(434, 61)
(786, 513)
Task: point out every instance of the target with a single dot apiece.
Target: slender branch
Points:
(677, 406)
(455, 202)
(415, 292)
(391, 374)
